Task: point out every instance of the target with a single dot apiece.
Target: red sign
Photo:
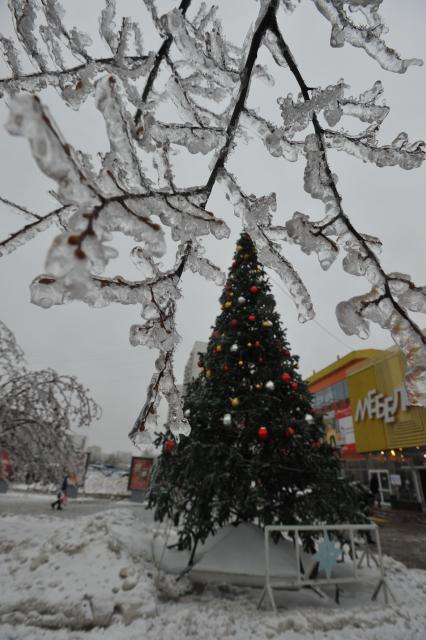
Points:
(6, 471)
(140, 474)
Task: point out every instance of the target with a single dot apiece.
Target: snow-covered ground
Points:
(92, 578)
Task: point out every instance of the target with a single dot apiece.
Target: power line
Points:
(321, 326)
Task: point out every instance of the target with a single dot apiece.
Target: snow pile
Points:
(99, 482)
(59, 574)
(61, 580)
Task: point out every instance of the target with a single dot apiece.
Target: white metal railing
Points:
(300, 579)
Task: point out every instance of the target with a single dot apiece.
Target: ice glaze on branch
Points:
(383, 304)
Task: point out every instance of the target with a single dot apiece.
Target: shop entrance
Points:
(383, 482)
(422, 475)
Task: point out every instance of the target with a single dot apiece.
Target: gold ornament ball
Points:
(249, 344)
(266, 324)
(258, 386)
(239, 247)
(235, 402)
(227, 304)
(241, 362)
(208, 373)
(231, 294)
(219, 348)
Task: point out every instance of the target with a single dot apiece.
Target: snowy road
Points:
(18, 503)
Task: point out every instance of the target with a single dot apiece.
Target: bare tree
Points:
(38, 410)
(205, 82)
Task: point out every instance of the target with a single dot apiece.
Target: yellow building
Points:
(368, 417)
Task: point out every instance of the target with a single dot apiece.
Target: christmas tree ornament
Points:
(285, 377)
(258, 385)
(309, 419)
(290, 432)
(231, 294)
(260, 360)
(316, 444)
(235, 402)
(170, 444)
(214, 333)
(294, 386)
(253, 371)
(241, 300)
(227, 419)
(233, 347)
(267, 324)
(241, 362)
(218, 348)
(253, 289)
(200, 363)
(249, 344)
(270, 385)
(187, 413)
(225, 368)
(257, 344)
(234, 322)
(252, 317)
(227, 304)
(286, 352)
(239, 247)
(208, 373)
(262, 433)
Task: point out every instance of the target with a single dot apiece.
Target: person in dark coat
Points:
(61, 495)
(374, 488)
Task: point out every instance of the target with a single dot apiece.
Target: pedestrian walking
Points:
(62, 495)
(374, 488)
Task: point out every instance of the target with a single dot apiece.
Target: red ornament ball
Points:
(252, 317)
(262, 433)
(225, 368)
(200, 363)
(257, 344)
(260, 360)
(290, 432)
(254, 289)
(170, 444)
(214, 333)
(294, 385)
(286, 352)
(285, 377)
(316, 444)
(234, 322)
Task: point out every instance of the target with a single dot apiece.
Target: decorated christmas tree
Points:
(256, 451)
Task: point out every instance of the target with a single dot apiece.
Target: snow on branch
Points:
(38, 409)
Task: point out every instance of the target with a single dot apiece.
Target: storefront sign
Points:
(395, 479)
(140, 474)
(376, 405)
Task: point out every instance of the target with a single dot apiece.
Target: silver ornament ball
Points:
(227, 419)
(233, 347)
(270, 385)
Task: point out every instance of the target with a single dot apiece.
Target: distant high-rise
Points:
(191, 368)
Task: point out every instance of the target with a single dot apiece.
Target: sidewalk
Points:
(403, 535)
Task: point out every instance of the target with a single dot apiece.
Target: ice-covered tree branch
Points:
(38, 410)
(204, 82)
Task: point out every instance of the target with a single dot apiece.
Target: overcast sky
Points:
(93, 343)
